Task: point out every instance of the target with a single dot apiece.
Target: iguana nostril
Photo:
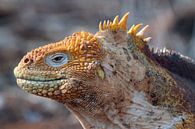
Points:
(27, 60)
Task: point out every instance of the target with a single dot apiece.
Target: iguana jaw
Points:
(41, 86)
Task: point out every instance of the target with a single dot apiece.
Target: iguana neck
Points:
(137, 91)
(141, 73)
(127, 115)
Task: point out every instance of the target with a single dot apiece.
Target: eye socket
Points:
(56, 59)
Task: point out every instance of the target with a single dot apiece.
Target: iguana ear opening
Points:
(137, 37)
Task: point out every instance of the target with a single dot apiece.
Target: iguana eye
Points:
(57, 59)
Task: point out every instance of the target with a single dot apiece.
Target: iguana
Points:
(113, 80)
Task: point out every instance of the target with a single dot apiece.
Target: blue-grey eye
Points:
(56, 59)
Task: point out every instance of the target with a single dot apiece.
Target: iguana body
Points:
(111, 80)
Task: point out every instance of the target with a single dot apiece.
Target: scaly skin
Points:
(108, 81)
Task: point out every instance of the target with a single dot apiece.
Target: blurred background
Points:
(27, 24)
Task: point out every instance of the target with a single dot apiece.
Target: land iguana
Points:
(113, 80)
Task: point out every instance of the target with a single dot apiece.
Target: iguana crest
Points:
(115, 25)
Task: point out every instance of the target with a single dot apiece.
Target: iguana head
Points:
(61, 70)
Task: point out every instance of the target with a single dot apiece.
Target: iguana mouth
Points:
(36, 83)
(25, 77)
(41, 80)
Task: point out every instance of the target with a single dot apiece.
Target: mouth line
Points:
(22, 82)
(41, 80)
